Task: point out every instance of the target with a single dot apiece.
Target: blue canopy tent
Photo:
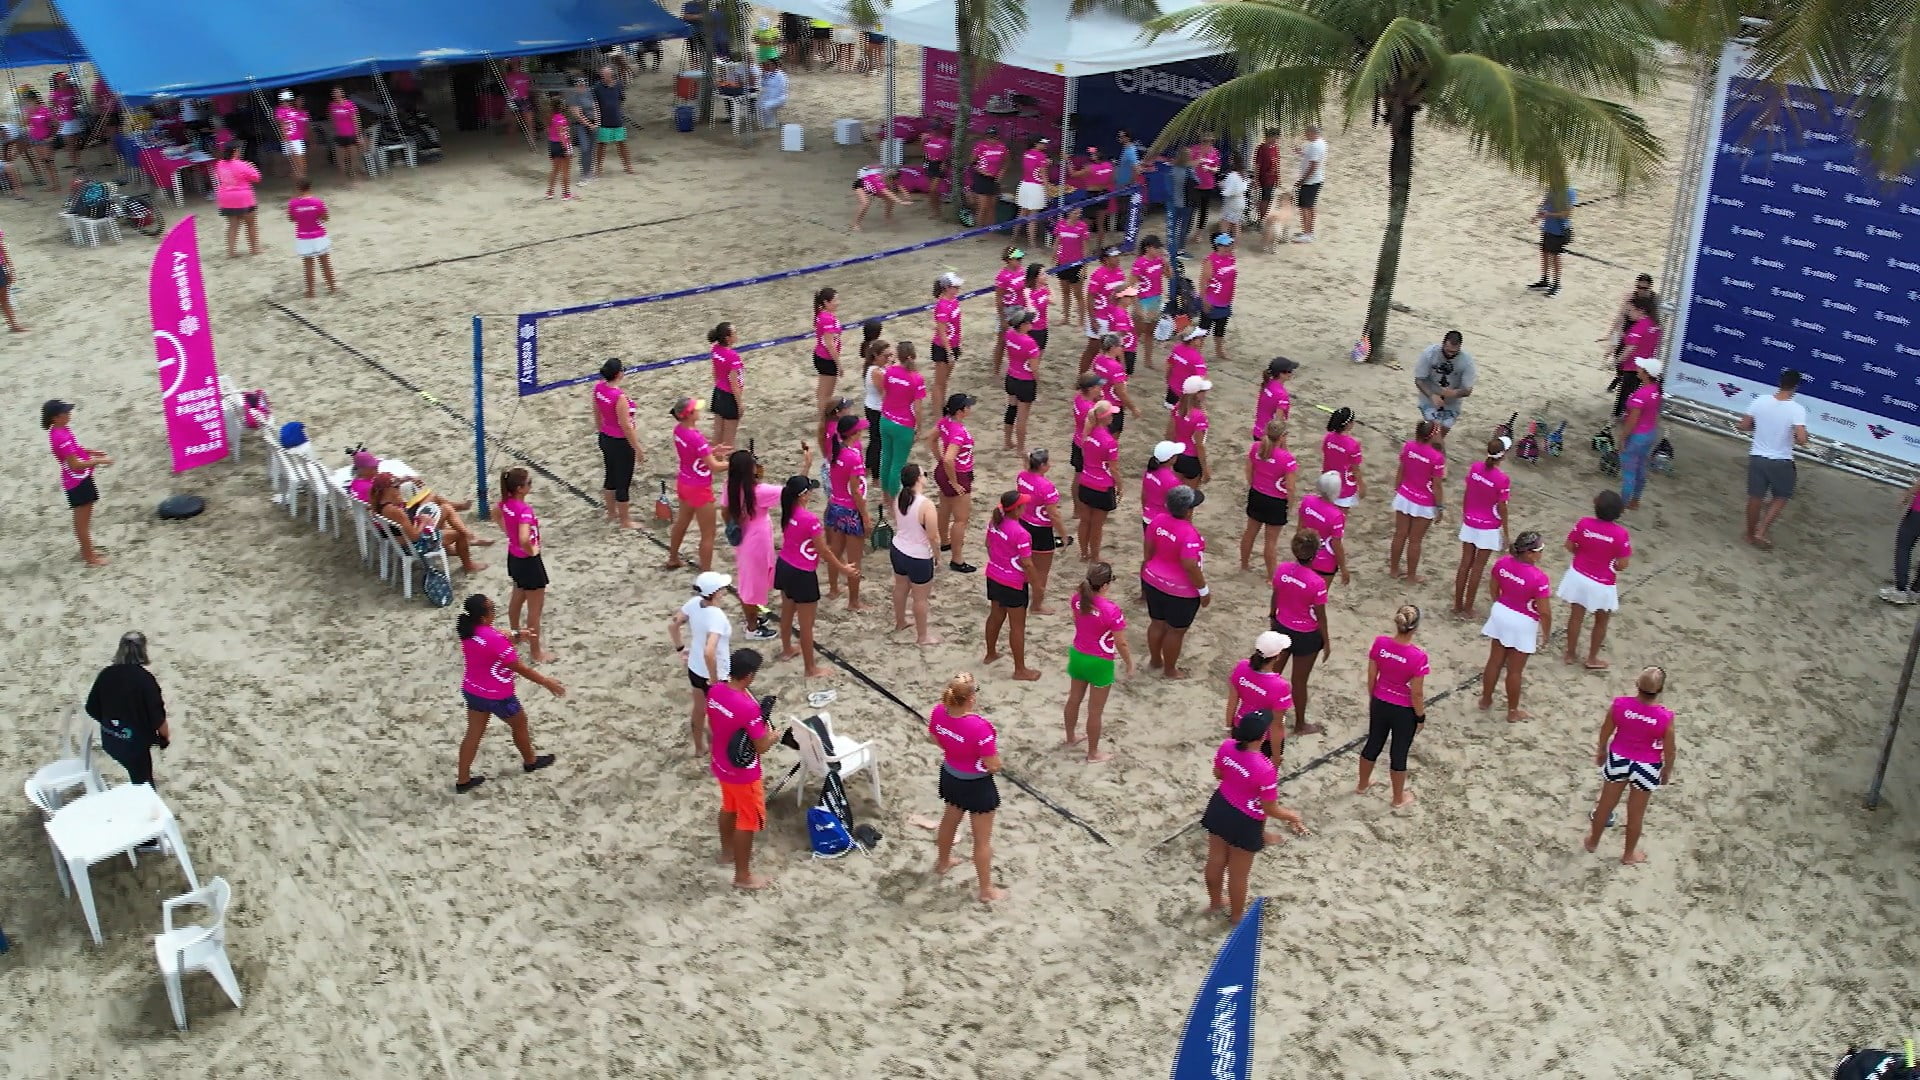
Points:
(212, 47)
(32, 34)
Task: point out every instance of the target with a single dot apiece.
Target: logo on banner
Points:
(1879, 432)
(527, 360)
(1155, 81)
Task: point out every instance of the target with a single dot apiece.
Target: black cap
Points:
(51, 409)
(1280, 365)
(797, 482)
(956, 402)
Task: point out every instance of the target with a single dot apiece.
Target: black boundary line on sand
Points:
(555, 240)
(1352, 744)
(555, 479)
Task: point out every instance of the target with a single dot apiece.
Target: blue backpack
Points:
(827, 833)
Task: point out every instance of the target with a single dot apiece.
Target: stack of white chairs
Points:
(49, 786)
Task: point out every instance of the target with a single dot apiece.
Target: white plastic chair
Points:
(311, 478)
(396, 553)
(852, 757)
(187, 949)
(381, 156)
(75, 768)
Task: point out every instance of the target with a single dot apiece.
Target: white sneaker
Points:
(1303, 238)
(1897, 596)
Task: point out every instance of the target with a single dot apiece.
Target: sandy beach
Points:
(573, 923)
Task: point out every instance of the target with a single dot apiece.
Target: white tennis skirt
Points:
(72, 127)
(1484, 539)
(311, 246)
(1512, 628)
(1030, 196)
(1578, 588)
(1404, 505)
(1347, 502)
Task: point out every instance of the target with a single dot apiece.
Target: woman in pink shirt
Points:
(751, 503)
(525, 568)
(1522, 617)
(796, 573)
(1007, 286)
(848, 521)
(1188, 426)
(953, 477)
(1483, 523)
(729, 383)
(344, 117)
(1271, 472)
(1037, 296)
(1217, 277)
(1340, 452)
(1416, 497)
(290, 119)
(1158, 479)
(1009, 573)
(1258, 682)
(970, 755)
(1174, 579)
(76, 474)
(902, 389)
(1640, 342)
(1099, 637)
(1069, 253)
(40, 135)
(1110, 366)
(1236, 816)
(487, 688)
(1036, 173)
(699, 461)
(1037, 514)
(619, 442)
(1300, 613)
(1148, 277)
(1636, 751)
(310, 241)
(946, 329)
(1397, 673)
(1022, 385)
(1274, 399)
(1093, 485)
(233, 179)
(1319, 513)
(1637, 430)
(559, 148)
(872, 182)
(1601, 549)
(826, 346)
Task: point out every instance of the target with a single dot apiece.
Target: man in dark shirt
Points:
(126, 702)
(608, 97)
(1266, 170)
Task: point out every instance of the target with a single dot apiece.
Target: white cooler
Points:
(793, 137)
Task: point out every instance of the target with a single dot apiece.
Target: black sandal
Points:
(469, 784)
(963, 568)
(537, 764)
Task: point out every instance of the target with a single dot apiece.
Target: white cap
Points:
(1193, 332)
(1167, 451)
(1651, 366)
(286, 95)
(949, 280)
(1195, 384)
(711, 582)
(1271, 643)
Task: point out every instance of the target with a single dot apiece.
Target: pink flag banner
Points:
(183, 342)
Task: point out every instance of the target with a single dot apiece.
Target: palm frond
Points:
(1406, 54)
(1704, 26)
(1263, 33)
(867, 13)
(1542, 130)
(1284, 97)
(991, 27)
(1890, 95)
(1139, 11)
(1581, 57)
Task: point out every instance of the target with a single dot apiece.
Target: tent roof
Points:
(32, 34)
(1090, 44)
(229, 46)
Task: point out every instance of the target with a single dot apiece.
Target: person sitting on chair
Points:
(408, 506)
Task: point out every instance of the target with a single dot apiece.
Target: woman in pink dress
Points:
(233, 180)
(751, 503)
(693, 484)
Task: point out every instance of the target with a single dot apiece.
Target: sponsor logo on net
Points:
(1815, 272)
(1860, 200)
(1838, 305)
(1850, 253)
(1880, 287)
(1796, 242)
(1722, 200)
(1858, 339)
(1906, 350)
(1889, 234)
(1787, 294)
(1776, 343)
(1711, 301)
(1904, 264)
(1728, 389)
(1729, 331)
(1837, 421)
(1771, 264)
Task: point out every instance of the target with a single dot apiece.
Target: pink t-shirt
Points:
(1150, 272)
(519, 85)
(1114, 370)
(1398, 665)
(729, 710)
(989, 157)
(1102, 283)
(1220, 279)
(692, 449)
(360, 487)
(233, 183)
(1154, 485)
(1205, 161)
(826, 324)
(872, 179)
(1120, 321)
(559, 130)
(899, 389)
(1008, 284)
(1647, 400)
(1639, 730)
(1642, 340)
(936, 147)
(490, 656)
(1190, 426)
(1021, 353)
(966, 741)
(1033, 166)
(1097, 452)
(1008, 543)
(1270, 472)
(1297, 590)
(292, 122)
(1172, 540)
(1422, 467)
(946, 317)
(800, 540)
(1041, 495)
(1273, 401)
(514, 515)
(1082, 405)
(1070, 242)
(309, 217)
(66, 102)
(847, 477)
(1247, 779)
(1597, 545)
(40, 123)
(1097, 627)
(1099, 176)
(1038, 300)
(727, 365)
(1183, 362)
(1483, 502)
(1340, 452)
(952, 432)
(66, 445)
(346, 119)
(1261, 690)
(1330, 522)
(1521, 587)
(608, 400)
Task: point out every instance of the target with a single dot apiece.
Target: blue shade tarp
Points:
(32, 34)
(1217, 1043)
(228, 46)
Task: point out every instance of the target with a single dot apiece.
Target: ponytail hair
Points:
(471, 614)
(1008, 500)
(511, 481)
(870, 330)
(1273, 436)
(1341, 420)
(822, 298)
(837, 436)
(789, 498)
(959, 692)
(1423, 430)
(907, 355)
(1099, 576)
(1407, 619)
(719, 334)
(909, 476)
(1034, 270)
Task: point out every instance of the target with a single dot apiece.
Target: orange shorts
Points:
(695, 496)
(747, 803)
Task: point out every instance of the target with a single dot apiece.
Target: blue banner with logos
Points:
(1805, 258)
(1143, 99)
(527, 354)
(1217, 1043)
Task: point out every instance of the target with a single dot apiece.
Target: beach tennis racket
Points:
(662, 507)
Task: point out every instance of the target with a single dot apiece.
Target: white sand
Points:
(572, 923)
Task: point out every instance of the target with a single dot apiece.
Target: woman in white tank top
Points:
(913, 554)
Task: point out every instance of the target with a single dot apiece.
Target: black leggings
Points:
(1386, 719)
(873, 443)
(137, 759)
(1627, 382)
(1903, 550)
(618, 456)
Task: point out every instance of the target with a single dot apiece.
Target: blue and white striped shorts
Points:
(1640, 774)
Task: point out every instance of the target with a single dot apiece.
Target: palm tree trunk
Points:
(1399, 189)
(958, 172)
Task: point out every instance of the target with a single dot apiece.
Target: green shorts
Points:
(1092, 670)
(606, 134)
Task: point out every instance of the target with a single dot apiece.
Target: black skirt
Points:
(797, 585)
(527, 572)
(1266, 509)
(1236, 828)
(979, 795)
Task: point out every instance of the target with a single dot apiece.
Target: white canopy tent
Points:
(1091, 44)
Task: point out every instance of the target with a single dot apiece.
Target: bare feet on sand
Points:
(1405, 799)
(1095, 759)
(1633, 858)
(1514, 716)
(752, 883)
(941, 866)
(991, 893)
(1025, 675)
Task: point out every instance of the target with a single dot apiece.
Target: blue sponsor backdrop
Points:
(1143, 100)
(1806, 258)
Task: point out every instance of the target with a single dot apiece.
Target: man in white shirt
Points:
(708, 649)
(1313, 171)
(1778, 425)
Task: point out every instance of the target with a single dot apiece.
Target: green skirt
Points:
(1092, 670)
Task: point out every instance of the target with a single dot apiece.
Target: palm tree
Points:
(1874, 47)
(1517, 77)
(983, 29)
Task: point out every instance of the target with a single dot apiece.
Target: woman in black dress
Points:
(126, 702)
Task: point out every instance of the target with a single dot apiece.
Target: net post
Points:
(1893, 721)
(479, 422)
